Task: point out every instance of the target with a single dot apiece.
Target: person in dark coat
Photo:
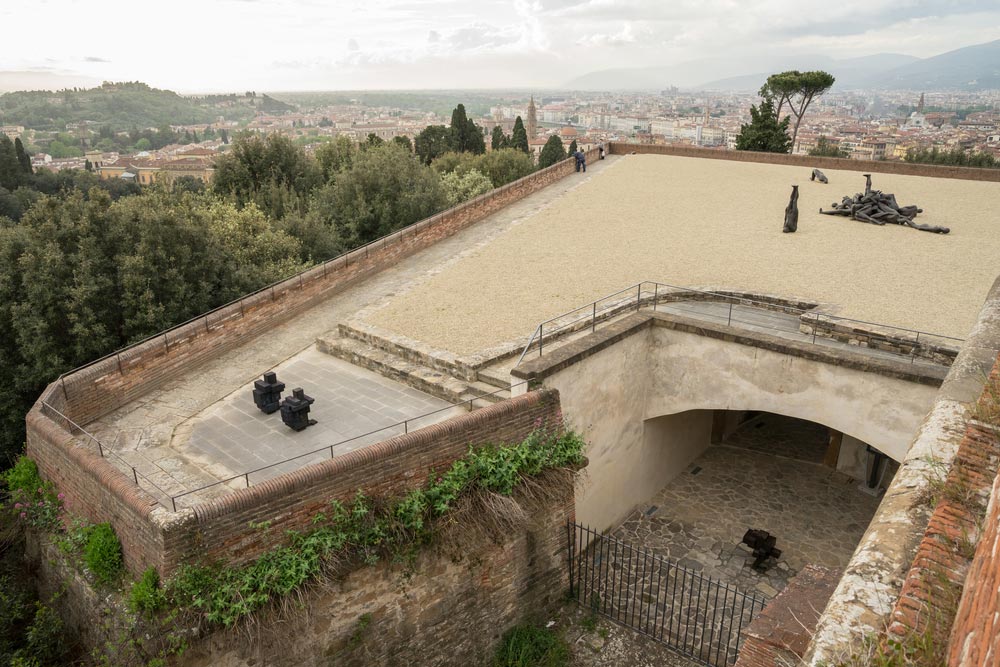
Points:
(583, 159)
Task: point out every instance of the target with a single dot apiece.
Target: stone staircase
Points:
(438, 377)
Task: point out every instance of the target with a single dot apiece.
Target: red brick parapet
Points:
(780, 635)
(227, 529)
(873, 166)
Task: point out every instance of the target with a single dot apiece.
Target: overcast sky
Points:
(221, 45)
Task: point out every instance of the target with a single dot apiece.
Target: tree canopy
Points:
(826, 148)
(798, 90)
(433, 141)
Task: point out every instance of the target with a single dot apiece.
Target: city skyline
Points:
(420, 44)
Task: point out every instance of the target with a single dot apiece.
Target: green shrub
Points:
(366, 529)
(103, 553)
(23, 477)
(531, 646)
(45, 641)
(146, 596)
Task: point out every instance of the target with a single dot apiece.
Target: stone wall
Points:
(221, 530)
(872, 166)
(448, 607)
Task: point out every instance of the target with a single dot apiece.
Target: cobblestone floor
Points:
(817, 514)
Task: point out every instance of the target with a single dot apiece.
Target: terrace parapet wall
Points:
(223, 530)
(810, 162)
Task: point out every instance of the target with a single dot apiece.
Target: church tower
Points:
(920, 104)
(532, 125)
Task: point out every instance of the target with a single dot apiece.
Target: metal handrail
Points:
(103, 451)
(539, 332)
(107, 452)
(405, 424)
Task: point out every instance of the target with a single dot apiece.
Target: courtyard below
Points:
(766, 475)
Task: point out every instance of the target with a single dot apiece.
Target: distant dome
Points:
(568, 131)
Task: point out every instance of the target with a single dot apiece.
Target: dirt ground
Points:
(713, 223)
(597, 642)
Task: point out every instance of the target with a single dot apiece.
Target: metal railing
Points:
(693, 614)
(651, 293)
(170, 499)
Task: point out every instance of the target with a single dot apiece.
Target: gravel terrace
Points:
(712, 223)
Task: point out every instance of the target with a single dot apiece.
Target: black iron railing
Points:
(651, 294)
(697, 616)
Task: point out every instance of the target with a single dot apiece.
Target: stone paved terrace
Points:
(764, 476)
(712, 223)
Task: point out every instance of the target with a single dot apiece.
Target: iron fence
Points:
(692, 614)
(653, 294)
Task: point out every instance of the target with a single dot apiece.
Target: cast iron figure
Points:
(792, 211)
(878, 208)
(818, 175)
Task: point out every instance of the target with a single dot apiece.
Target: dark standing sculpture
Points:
(295, 410)
(762, 543)
(878, 208)
(267, 393)
(818, 175)
(792, 212)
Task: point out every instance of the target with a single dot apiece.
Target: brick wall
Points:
(873, 166)
(219, 530)
(975, 635)
(939, 569)
(780, 635)
(97, 490)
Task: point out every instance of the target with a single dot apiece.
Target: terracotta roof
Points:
(197, 152)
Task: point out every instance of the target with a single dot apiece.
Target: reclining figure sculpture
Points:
(878, 208)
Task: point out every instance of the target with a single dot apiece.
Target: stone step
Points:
(410, 350)
(428, 380)
(495, 377)
(488, 392)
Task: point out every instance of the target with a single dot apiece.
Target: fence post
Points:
(656, 294)
(729, 321)
(246, 476)
(593, 319)
(571, 535)
(135, 476)
(541, 336)
(638, 297)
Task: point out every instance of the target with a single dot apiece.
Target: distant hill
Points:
(120, 105)
(969, 68)
(11, 80)
(850, 73)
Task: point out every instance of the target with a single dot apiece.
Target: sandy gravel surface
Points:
(714, 223)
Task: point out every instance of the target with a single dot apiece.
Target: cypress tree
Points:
(497, 139)
(22, 156)
(519, 137)
(474, 138)
(552, 152)
(460, 129)
(572, 147)
(11, 173)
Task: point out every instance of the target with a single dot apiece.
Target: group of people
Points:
(581, 157)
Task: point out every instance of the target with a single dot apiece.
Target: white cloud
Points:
(295, 44)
